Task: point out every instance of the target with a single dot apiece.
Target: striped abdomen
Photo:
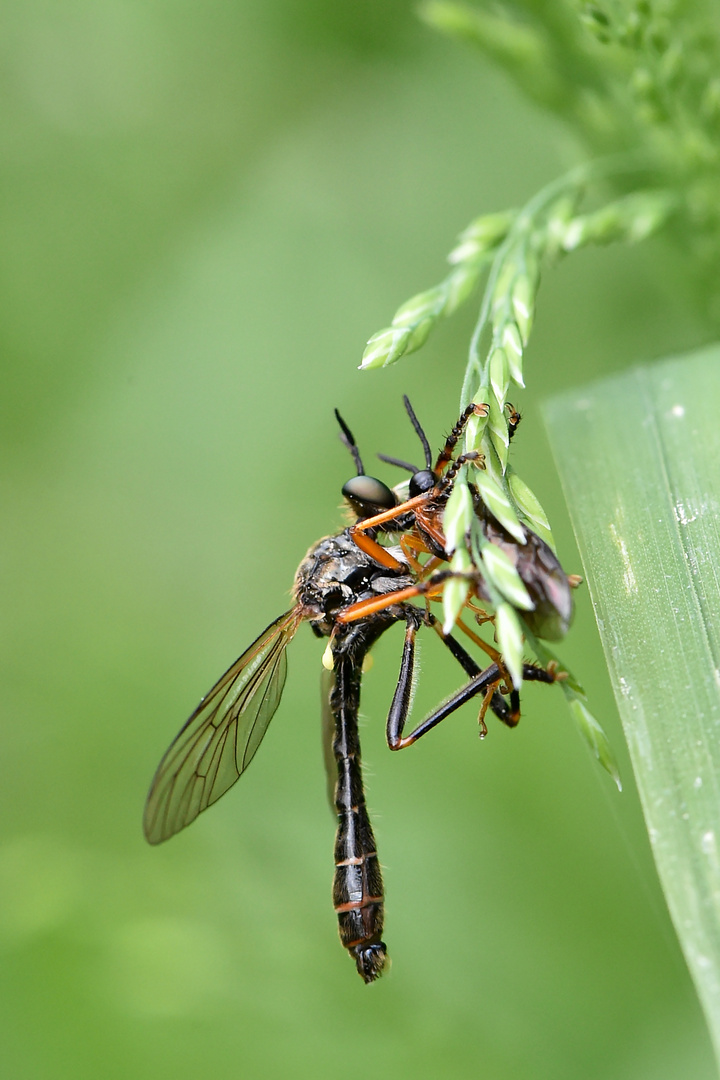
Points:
(357, 885)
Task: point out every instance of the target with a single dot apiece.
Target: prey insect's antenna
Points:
(400, 464)
(421, 434)
(348, 439)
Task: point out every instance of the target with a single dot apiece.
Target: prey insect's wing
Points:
(219, 740)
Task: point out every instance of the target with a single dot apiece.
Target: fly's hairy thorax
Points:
(336, 573)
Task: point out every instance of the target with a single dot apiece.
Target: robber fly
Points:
(350, 595)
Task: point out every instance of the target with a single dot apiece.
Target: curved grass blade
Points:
(639, 457)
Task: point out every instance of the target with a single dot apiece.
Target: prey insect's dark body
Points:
(420, 520)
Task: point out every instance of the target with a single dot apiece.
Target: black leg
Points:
(463, 658)
(476, 686)
(400, 706)
(533, 673)
(509, 714)
(481, 681)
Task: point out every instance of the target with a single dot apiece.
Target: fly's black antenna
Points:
(366, 495)
(400, 464)
(348, 439)
(421, 434)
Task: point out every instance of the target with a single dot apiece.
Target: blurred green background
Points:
(206, 210)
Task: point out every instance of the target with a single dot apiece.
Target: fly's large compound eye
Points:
(421, 481)
(368, 496)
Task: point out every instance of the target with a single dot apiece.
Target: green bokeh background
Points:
(206, 210)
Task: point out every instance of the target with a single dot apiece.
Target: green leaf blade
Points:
(639, 457)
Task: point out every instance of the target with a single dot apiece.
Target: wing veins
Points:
(187, 778)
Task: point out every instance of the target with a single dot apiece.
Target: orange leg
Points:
(375, 551)
(491, 652)
(411, 550)
(483, 709)
(413, 546)
(389, 515)
(364, 608)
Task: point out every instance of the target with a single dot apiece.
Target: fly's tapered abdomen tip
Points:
(371, 960)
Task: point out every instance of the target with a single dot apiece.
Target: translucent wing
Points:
(219, 740)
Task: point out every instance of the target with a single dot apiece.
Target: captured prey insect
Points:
(420, 519)
(221, 737)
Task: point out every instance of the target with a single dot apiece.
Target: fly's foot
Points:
(555, 671)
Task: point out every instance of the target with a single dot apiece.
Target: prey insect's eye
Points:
(368, 495)
(421, 481)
